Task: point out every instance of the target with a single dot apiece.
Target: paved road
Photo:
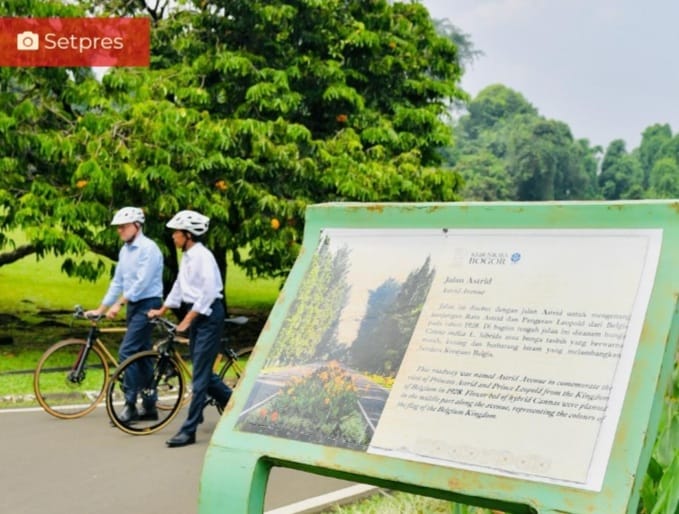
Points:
(51, 466)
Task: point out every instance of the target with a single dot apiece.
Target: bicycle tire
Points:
(58, 391)
(166, 380)
(229, 372)
(232, 370)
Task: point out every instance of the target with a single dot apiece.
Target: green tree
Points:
(36, 156)
(485, 178)
(466, 50)
(494, 104)
(545, 162)
(664, 179)
(671, 148)
(251, 111)
(621, 174)
(507, 151)
(589, 156)
(652, 141)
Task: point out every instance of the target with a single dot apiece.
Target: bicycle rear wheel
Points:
(166, 382)
(62, 390)
(234, 367)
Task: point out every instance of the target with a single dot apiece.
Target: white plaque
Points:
(521, 355)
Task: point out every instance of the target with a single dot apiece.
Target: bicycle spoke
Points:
(159, 387)
(69, 380)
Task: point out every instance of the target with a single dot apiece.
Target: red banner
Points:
(75, 41)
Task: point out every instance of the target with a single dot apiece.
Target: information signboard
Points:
(458, 342)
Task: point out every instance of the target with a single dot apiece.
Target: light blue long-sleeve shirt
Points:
(139, 272)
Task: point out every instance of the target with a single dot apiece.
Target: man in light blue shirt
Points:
(138, 284)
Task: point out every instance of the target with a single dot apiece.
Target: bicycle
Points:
(70, 378)
(170, 376)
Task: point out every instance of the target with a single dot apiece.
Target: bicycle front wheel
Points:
(158, 380)
(69, 379)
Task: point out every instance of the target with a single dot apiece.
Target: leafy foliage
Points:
(664, 178)
(653, 139)
(508, 152)
(251, 111)
(660, 490)
(254, 109)
(495, 183)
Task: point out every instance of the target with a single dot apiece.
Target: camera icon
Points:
(28, 41)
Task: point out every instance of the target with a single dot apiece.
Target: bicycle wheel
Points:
(64, 389)
(165, 381)
(233, 368)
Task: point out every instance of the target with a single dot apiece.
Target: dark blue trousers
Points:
(138, 338)
(204, 342)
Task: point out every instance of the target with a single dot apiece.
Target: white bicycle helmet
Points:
(128, 215)
(191, 221)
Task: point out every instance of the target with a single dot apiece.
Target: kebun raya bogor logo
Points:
(494, 258)
(74, 41)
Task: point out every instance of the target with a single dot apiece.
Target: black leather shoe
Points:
(221, 404)
(129, 413)
(148, 414)
(181, 439)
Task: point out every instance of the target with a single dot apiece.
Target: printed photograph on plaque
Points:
(328, 375)
(500, 351)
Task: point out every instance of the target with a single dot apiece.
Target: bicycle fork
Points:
(77, 373)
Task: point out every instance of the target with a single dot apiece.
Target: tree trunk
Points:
(220, 253)
(15, 255)
(171, 267)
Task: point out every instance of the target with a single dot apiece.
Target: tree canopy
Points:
(506, 150)
(250, 111)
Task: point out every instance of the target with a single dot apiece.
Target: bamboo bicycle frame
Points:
(102, 346)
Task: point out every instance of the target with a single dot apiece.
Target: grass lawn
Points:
(37, 301)
(30, 286)
(386, 502)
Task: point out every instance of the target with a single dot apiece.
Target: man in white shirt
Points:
(198, 290)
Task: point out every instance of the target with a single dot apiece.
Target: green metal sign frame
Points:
(237, 463)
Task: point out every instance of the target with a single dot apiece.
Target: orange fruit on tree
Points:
(275, 224)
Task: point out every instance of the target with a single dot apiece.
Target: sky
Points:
(607, 68)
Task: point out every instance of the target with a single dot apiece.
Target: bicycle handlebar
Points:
(166, 324)
(171, 328)
(79, 313)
